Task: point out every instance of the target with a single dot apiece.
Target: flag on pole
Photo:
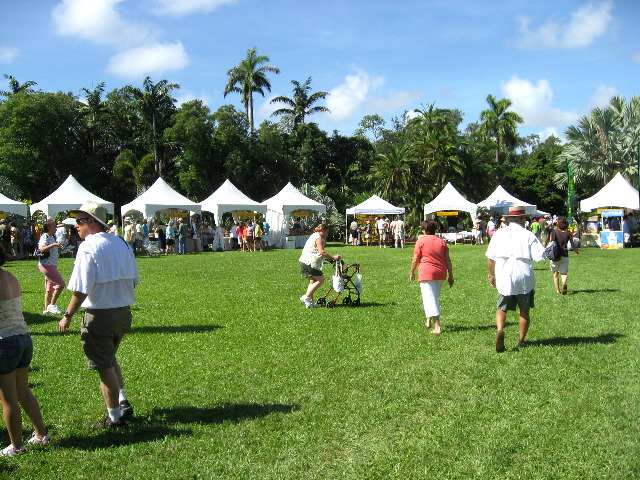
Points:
(571, 190)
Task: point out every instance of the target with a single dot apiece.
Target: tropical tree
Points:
(301, 104)
(500, 125)
(603, 143)
(249, 77)
(16, 87)
(392, 175)
(156, 106)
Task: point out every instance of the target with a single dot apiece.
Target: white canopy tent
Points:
(228, 198)
(500, 201)
(450, 199)
(373, 205)
(13, 206)
(160, 196)
(69, 196)
(279, 208)
(617, 193)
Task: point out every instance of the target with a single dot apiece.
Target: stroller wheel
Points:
(346, 300)
(321, 301)
(331, 304)
(356, 302)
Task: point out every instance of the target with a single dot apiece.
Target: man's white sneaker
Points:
(54, 309)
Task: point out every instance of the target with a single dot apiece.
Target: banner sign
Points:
(3, 216)
(244, 213)
(571, 190)
(612, 213)
(447, 214)
(176, 215)
(300, 213)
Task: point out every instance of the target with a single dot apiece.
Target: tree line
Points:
(117, 143)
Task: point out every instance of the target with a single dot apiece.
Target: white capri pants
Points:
(430, 295)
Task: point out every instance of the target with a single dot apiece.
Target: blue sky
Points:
(555, 59)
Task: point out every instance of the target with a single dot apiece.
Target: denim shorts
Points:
(16, 352)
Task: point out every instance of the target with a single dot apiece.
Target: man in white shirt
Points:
(381, 226)
(104, 276)
(511, 253)
(398, 232)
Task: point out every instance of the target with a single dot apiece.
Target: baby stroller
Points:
(351, 286)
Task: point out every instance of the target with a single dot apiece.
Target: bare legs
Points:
(501, 317)
(314, 284)
(15, 391)
(557, 285)
(50, 298)
(111, 383)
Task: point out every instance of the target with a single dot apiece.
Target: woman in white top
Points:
(16, 351)
(311, 262)
(53, 281)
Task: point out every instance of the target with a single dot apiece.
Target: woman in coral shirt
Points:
(431, 256)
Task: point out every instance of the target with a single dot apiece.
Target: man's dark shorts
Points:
(308, 271)
(523, 302)
(101, 333)
(16, 352)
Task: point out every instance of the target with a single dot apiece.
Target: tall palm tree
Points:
(156, 106)
(301, 104)
(17, 87)
(94, 111)
(249, 77)
(500, 126)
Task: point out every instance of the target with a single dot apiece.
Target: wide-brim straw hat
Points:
(516, 211)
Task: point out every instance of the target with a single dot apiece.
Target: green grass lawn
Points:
(232, 378)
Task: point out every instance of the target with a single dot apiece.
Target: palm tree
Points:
(249, 77)
(603, 143)
(94, 111)
(392, 175)
(17, 87)
(301, 104)
(500, 126)
(156, 106)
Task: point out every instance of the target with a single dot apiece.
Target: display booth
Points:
(160, 197)
(69, 196)
(612, 200)
(373, 206)
(450, 200)
(280, 210)
(13, 206)
(228, 198)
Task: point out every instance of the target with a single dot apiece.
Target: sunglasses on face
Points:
(82, 220)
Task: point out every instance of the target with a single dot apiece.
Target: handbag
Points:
(552, 251)
(357, 282)
(336, 282)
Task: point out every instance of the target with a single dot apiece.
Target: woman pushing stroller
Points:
(311, 262)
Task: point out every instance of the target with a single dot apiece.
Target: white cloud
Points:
(184, 7)
(533, 103)
(8, 54)
(602, 96)
(187, 96)
(586, 24)
(345, 99)
(396, 101)
(98, 21)
(148, 60)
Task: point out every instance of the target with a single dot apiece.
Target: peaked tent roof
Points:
(160, 196)
(13, 206)
(617, 193)
(375, 205)
(500, 201)
(228, 198)
(450, 199)
(69, 196)
(290, 199)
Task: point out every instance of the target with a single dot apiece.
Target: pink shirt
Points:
(431, 251)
